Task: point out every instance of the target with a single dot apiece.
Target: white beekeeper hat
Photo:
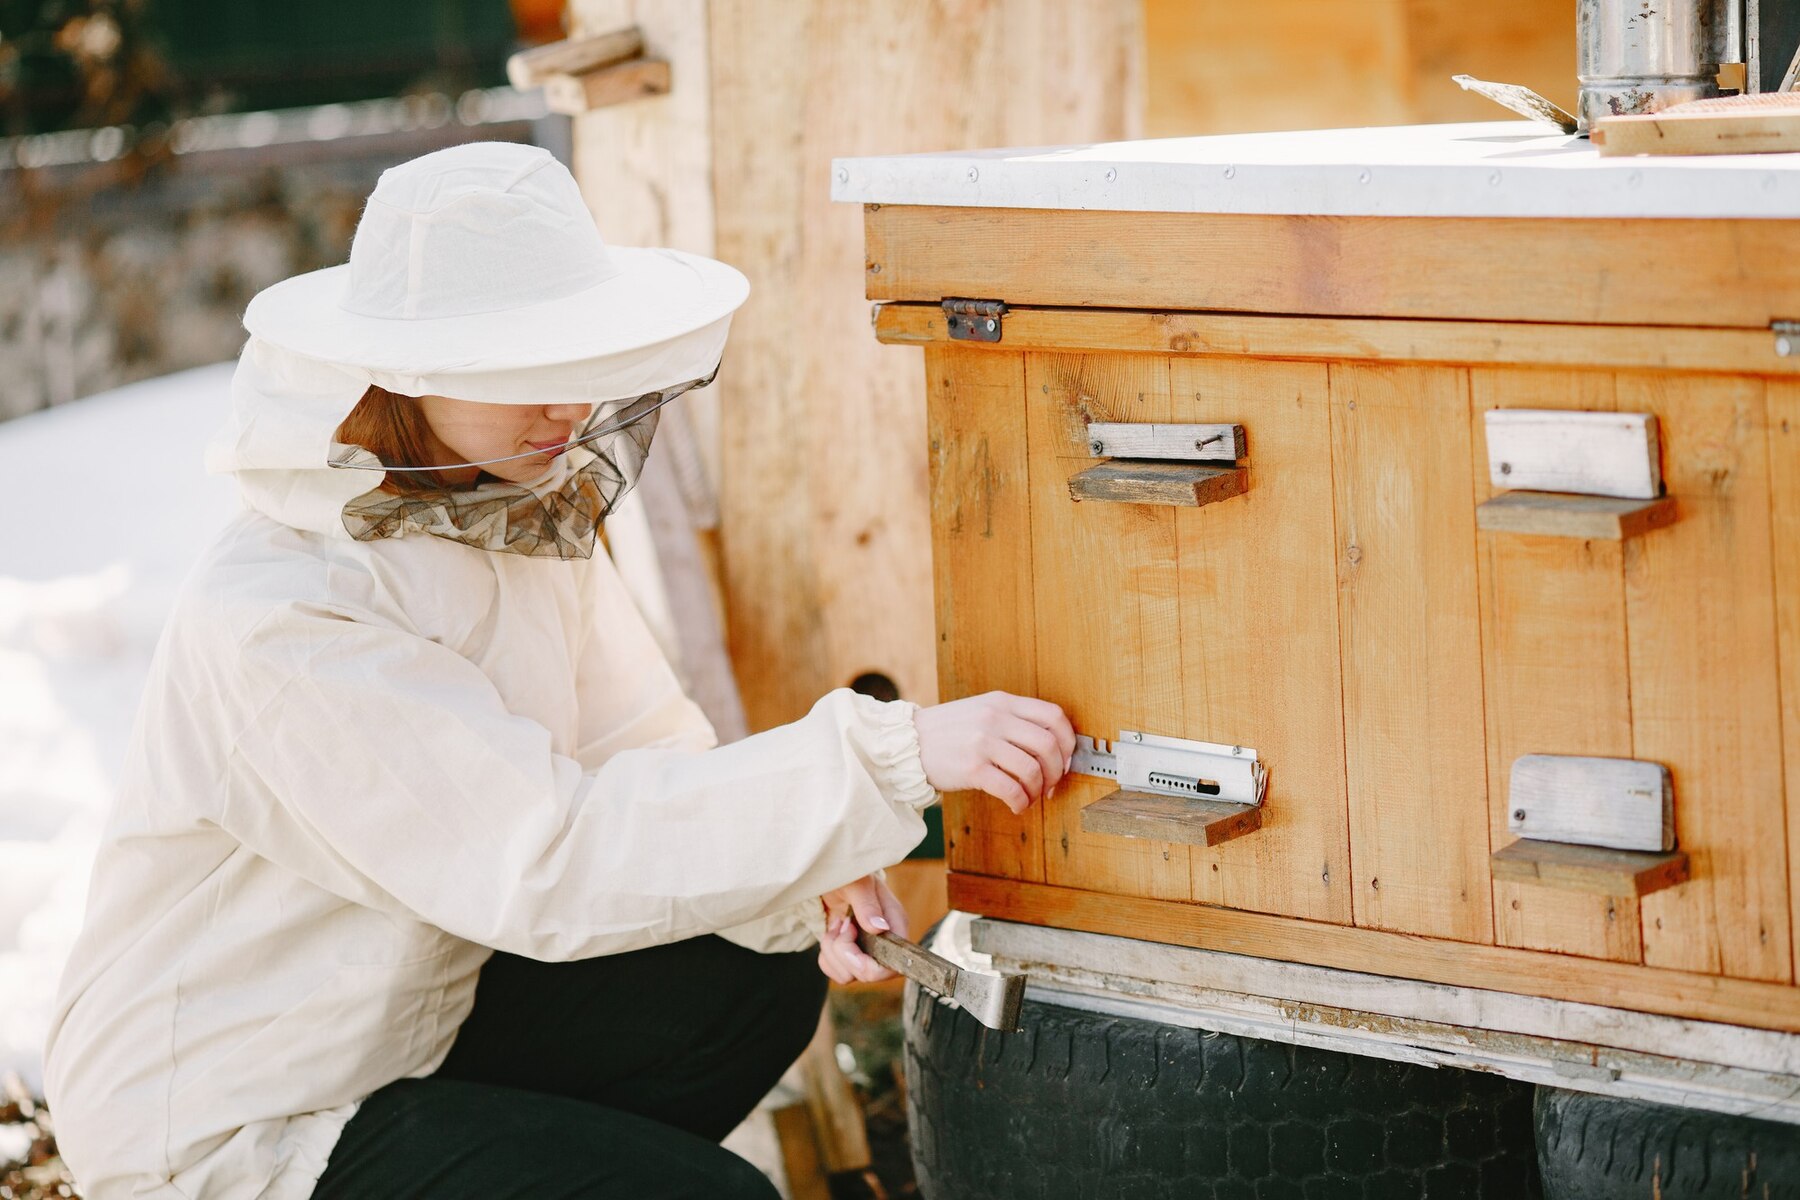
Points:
(484, 258)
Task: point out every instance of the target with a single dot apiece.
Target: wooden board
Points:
(1556, 514)
(1107, 605)
(1190, 820)
(1555, 672)
(982, 571)
(1259, 635)
(1411, 637)
(1754, 132)
(1590, 868)
(1208, 443)
(1622, 803)
(1784, 476)
(1756, 1004)
(1704, 694)
(826, 525)
(1182, 485)
(1712, 273)
(620, 83)
(1331, 338)
(1584, 452)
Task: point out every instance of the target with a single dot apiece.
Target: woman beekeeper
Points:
(406, 733)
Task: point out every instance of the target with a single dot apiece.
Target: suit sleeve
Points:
(386, 767)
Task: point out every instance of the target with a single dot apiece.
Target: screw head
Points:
(843, 175)
(990, 325)
(1783, 347)
(1111, 174)
(1137, 737)
(1518, 814)
(1230, 172)
(1506, 468)
(974, 174)
(1364, 177)
(1097, 448)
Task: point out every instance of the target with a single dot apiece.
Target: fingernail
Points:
(879, 923)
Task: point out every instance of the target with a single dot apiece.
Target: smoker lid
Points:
(1482, 169)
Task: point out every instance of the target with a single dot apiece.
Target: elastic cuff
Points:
(896, 751)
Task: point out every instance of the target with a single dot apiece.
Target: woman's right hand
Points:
(1014, 748)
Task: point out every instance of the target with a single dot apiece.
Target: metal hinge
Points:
(974, 320)
(1787, 337)
(1168, 766)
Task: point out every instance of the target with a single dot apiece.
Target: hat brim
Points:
(656, 295)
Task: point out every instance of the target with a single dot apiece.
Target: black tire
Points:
(1089, 1106)
(1602, 1147)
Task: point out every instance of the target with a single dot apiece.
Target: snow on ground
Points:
(108, 506)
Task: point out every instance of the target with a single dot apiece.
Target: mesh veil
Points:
(557, 516)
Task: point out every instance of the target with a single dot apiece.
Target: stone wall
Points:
(120, 266)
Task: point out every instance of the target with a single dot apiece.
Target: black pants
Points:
(607, 1077)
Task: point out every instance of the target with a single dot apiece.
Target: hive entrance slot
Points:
(1183, 783)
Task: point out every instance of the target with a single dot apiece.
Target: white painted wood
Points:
(1667, 1059)
(1143, 439)
(1485, 169)
(1585, 453)
(1620, 803)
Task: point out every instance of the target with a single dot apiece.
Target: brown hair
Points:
(393, 428)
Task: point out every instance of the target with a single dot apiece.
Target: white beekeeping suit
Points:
(379, 742)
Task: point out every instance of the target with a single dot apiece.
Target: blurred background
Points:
(163, 160)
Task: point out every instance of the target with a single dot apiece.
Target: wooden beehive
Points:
(1357, 301)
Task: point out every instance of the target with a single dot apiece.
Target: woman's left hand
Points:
(867, 903)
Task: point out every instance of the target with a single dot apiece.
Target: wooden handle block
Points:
(1561, 514)
(1185, 484)
(628, 80)
(1188, 820)
(1590, 868)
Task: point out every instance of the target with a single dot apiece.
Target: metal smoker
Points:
(1642, 56)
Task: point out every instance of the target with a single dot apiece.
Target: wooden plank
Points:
(982, 572)
(1590, 868)
(1331, 338)
(1497, 1012)
(1108, 611)
(1705, 272)
(1587, 453)
(1201, 443)
(1753, 1003)
(1411, 650)
(827, 581)
(1754, 132)
(633, 79)
(1784, 478)
(1557, 514)
(1705, 699)
(839, 1127)
(1259, 635)
(1185, 819)
(571, 56)
(1555, 673)
(1183, 484)
(1621, 803)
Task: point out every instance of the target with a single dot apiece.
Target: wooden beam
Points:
(1557, 514)
(573, 56)
(1587, 453)
(1388, 340)
(1191, 820)
(630, 80)
(1181, 484)
(1590, 868)
(1752, 132)
(1706, 272)
(1754, 1003)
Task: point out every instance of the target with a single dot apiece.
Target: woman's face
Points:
(473, 431)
